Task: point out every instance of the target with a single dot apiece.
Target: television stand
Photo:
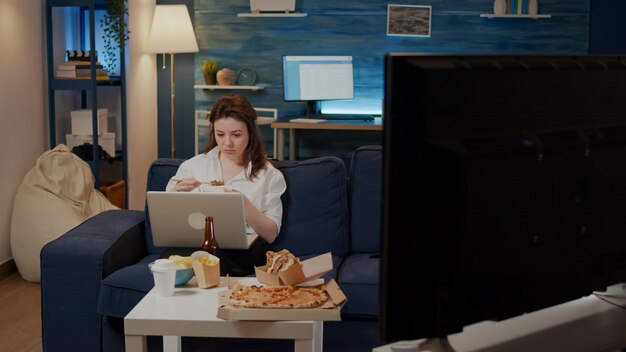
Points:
(431, 345)
(591, 323)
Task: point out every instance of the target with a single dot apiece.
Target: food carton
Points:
(206, 275)
(331, 310)
(309, 269)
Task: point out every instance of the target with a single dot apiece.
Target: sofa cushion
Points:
(359, 278)
(366, 199)
(122, 290)
(315, 207)
(159, 174)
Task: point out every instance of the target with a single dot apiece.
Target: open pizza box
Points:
(331, 310)
(309, 269)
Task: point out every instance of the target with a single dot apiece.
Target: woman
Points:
(235, 156)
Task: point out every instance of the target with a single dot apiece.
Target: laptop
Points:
(178, 219)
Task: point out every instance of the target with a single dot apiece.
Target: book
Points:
(513, 7)
(524, 7)
(98, 78)
(80, 73)
(76, 66)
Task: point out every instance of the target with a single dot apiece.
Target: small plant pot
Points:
(209, 79)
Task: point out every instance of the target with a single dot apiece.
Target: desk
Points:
(192, 311)
(338, 125)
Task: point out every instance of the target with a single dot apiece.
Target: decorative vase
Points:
(226, 77)
(499, 7)
(532, 7)
(209, 79)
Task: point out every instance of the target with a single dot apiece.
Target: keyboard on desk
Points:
(307, 120)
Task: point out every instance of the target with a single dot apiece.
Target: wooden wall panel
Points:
(358, 28)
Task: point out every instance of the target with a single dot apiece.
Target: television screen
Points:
(504, 187)
(313, 78)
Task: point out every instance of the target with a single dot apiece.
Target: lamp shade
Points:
(172, 31)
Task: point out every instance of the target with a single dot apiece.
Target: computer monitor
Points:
(315, 78)
(504, 187)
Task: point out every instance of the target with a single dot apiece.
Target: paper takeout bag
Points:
(207, 276)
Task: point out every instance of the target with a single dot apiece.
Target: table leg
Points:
(280, 142)
(292, 144)
(316, 344)
(136, 343)
(171, 344)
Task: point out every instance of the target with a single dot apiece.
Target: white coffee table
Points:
(192, 311)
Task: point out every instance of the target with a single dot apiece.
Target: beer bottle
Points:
(210, 243)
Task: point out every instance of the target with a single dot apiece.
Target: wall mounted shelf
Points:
(216, 87)
(535, 17)
(277, 14)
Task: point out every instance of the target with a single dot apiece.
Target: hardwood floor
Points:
(20, 315)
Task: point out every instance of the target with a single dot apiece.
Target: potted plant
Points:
(209, 68)
(115, 30)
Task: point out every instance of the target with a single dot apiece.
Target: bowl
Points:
(183, 276)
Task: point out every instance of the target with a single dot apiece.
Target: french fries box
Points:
(309, 269)
(207, 275)
(331, 310)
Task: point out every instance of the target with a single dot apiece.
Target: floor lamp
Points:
(171, 32)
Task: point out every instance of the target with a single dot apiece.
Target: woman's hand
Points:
(261, 223)
(186, 185)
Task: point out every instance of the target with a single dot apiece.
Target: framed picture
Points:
(408, 20)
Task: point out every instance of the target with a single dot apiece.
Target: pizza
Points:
(279, 261)
(216, 183)
(277, 297)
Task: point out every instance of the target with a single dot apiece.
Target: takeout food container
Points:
(331, 310)
(206, 275)
(309, 269)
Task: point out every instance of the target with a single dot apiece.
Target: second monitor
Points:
(315, 78)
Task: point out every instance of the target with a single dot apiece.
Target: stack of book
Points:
(80, 70)
(517, 7)
(78, 66)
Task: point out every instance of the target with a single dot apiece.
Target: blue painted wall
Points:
(358, 28)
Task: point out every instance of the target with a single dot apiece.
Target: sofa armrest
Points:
(72, 267)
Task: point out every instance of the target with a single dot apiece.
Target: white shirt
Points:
(263, 191)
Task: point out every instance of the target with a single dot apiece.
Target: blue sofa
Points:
(93, 275)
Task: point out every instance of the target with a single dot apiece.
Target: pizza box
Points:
(331, 310)
(309, 269)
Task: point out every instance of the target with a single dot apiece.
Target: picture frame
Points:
(409, 20)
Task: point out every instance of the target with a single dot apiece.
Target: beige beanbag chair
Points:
(55, 196)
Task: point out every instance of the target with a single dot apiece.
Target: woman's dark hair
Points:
(236, 106)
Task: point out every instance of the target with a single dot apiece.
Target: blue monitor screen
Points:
(309, 78)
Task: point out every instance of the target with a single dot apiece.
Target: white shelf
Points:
(215, 87)
(269, 14)
(537, 16)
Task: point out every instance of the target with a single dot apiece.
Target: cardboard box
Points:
(81, 121)
(331, 310)
(106, 141)
(206, 275)
(309, 269)
(115, 192)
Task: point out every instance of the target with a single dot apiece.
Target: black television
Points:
(504, 187)
(313, 78)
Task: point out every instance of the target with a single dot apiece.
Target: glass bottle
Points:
(210, 243)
